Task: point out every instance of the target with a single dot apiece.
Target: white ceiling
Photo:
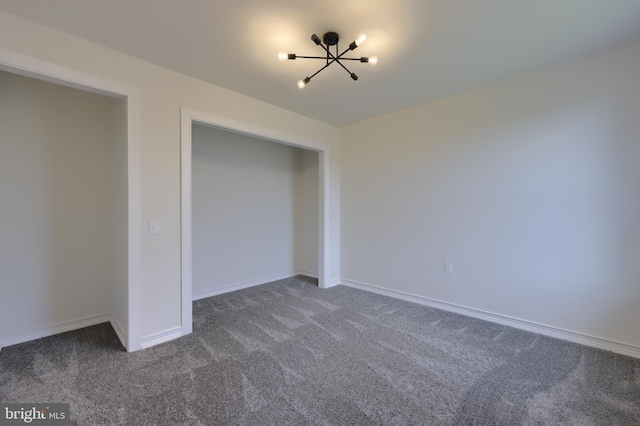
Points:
(428, 49)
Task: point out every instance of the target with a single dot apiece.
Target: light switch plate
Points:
(448, 267)
(154, 227)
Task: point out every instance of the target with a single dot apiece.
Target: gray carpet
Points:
(290, 353)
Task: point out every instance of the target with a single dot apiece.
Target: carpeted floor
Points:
(290, 353)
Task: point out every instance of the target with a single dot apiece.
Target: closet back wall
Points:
(63, 205)
(254, 211)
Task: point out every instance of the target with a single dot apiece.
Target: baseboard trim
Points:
(259, 281)
(118, 329)
(572, 336)
(246, 284)
(54, 329)
(307, 273)
(334, 282)
(163, 336)
(331, 283)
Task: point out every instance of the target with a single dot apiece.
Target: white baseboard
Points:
(258, 281)
(572, 336)
(118, 329)
(54, 329)
(245, 284)
(334, 282)
(163, 336)
(307, 273)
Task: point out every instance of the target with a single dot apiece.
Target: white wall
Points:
(249, 222)
(58, 183)
(120, 216)
(530, 186)
(162, 93)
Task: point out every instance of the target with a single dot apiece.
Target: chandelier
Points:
(331, 39)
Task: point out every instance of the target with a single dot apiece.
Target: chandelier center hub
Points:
(331, 38)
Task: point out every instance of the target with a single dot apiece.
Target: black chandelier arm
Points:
(340, 56)
(324, 58)
(311, 57)
(351, 59)
(325, 48)
(316, 73)
(329, 54)
(337, 58)
(340, 63)
(332, 57)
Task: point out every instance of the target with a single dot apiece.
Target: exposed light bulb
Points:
(373, 60)
(282, 56)
(303, 83)
(361, 39)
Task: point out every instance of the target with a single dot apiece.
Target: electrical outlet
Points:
(448, 267)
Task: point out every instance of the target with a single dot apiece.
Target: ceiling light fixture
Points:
(331, 39)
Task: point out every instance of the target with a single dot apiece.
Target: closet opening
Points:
(253, 208)
(68, 184)
(254, 211)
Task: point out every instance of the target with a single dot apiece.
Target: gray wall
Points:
(306, 208)
(63, 228)
(254, 208)
(530, 186)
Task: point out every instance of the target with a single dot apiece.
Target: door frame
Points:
(188, 117)
(17, 63)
